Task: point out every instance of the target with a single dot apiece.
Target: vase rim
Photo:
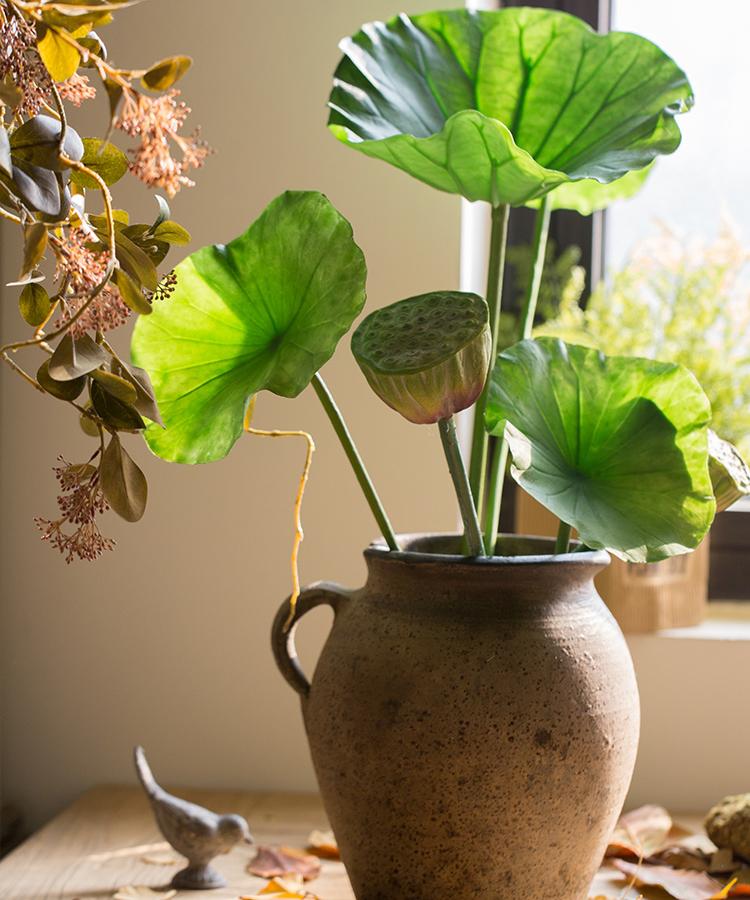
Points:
(437, 547)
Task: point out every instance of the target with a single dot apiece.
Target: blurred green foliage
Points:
(677, 300)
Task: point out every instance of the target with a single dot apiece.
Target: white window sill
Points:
(727, 621)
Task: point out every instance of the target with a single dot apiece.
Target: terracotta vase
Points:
(473, 724)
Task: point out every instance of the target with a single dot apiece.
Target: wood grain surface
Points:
(99, 844)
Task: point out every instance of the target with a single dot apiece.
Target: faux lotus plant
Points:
(514, 107)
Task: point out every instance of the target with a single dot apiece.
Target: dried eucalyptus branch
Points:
(104, 267)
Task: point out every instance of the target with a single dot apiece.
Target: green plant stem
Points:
(472, 531)
(352, 454)
(495, 495)
(494, 295)
(539, 253)
(562, 544)
(528, 312)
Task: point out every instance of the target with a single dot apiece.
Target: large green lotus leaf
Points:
(264, 312)
(588, 195)
(617, 447)
(506, 105)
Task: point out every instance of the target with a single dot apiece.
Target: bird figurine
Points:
(195, 832)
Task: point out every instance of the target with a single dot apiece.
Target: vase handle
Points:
(282, 632)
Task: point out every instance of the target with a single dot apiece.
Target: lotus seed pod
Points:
(730, 475)
(426, 357)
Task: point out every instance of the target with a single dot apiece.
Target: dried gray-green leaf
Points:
(37, 141)
(34, 247)
(62, 390)
(96, 47)
(88, 425)
(34, 304)
(114, 94)
(76, 357)
(123, 484)
(38, 188)
(102, 157)
(136, 262)
(131, 294)
(118, 415)
(118, 387)
(163, 74)
(172, 233)
(146, 398)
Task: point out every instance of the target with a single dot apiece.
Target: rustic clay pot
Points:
(473, 724)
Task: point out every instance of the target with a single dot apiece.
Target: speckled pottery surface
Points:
(473, 724)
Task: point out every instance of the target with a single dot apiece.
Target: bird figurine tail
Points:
(145, 774)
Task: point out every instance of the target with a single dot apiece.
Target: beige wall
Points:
(166, 640)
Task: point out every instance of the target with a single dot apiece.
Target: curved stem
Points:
(562, 544)
(528, 313)
(10, 216)
(472, 531)
(299, 534)
(495, 271)
(347, 442)
(25, 375)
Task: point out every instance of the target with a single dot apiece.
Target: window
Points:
(706, 181)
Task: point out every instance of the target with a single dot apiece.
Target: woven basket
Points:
(642, 596)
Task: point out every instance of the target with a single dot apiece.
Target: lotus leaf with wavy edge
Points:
(615, 446)
(264, 312)
(505, 106)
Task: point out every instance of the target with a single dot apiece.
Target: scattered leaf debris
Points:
(160, 859)
(644, 832)
(291, 887)
(682, 884)
(323, 844)
(272, 862)
(652, 851)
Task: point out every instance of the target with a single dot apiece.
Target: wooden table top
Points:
(98, 844)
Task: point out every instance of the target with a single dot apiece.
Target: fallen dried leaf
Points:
(160, 859)
(682, 884)
(323, 844)
(289, 888)
(640, 833)
(271, 862)
(139, 892)
(682, 858)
